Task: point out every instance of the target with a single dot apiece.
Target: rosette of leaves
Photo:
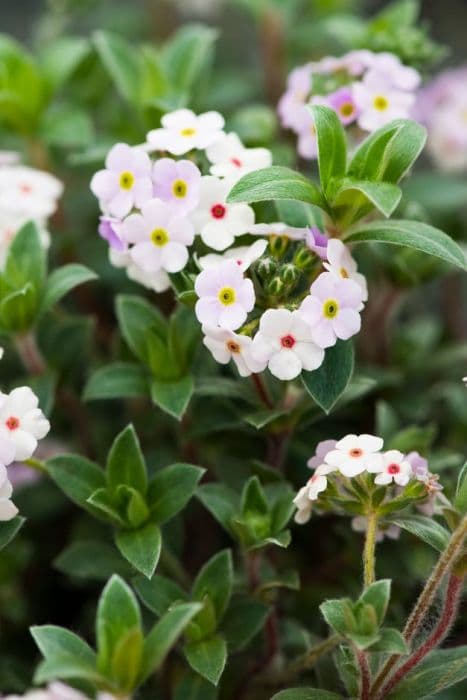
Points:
(123, 496)
(125, 657)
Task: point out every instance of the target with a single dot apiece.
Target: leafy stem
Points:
(369, 549)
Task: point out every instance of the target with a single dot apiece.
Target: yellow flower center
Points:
(381, 103)
(179, 188)
(188, 131)
(227, 296)
(344, 273)
(346, 109)
(127, 180)
(159, 237)
(330, 308)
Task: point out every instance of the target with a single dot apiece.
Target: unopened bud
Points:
(304, 258)
(265, 268)
(289, 274)
(275, 286)
(278, 246)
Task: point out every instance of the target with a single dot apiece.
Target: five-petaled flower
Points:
(177, 183)
(225, 296)
(232, 160)
(226, 345)
(183, 130)
(391, 466)
(244, 256)
(353, 453)
(22, 423)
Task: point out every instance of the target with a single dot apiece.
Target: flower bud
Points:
(278, 246)
(265, 268)
(289, 274)
(304, 258)
(275, 287)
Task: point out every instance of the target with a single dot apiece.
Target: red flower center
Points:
(288, 341)
(394, 469)
(218, 211)
(355, 452)
(12, 423)
(236, 162)
(25, 188)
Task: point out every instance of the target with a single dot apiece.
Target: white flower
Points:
(390, 466)
(379, 102)
(183, 130)
(216, 221)
(341, 263)
(231, 159)
(353, 453)
(160, 236)
(304, 506)
(225, 296)
(310, 492)
(284, 340)
(244, 256)
(226, 345)
(10, 224)
(58, 691)
(22, 422)
(8, 510)
(28, 193)
(279, 229)
(158, 281)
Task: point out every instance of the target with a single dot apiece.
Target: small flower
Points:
(22, 422)
(317, 241)
(310, 492)
(353, 453)
(390, 466)
(322, 448)
(379, 101)
(419, 465)
(402, 77)
(280, 229)
(231, 159)
(343, 103)
(109, 228)
(158, 281)
(304, 506)
(284, 340)
(125, 182)
(341, 263)
(225, 296)
(160, 237)
(8, 510)
(216, 221)
(292, 105)
(177, 182)
(226, 345)
(28, 193)
(331, 309)
(183, 130)
(244, 256)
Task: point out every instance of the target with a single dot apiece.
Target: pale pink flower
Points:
(390, 467)
(177, 183)
(353, 453)
(244, 256)
(341, 263)
(183, 130)
(232, 160)
(322, 448)
(225, 296)
(226, 345)
(22, 422)
(278, 228)
(379, 102)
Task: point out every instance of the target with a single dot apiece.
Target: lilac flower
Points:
(226, 345)
(343, 103)
(322, 449)
(331, 309)
(183, 131)
(126, 181)
(379, 102)
(225, 296)
(402, 77)
(317, 241)
(178, 183)
(291, 107)
(419, 465)
(285, 342)
(109, 230)
(160, 237)
(157, 280)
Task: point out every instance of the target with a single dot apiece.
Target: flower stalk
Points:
(369, 549)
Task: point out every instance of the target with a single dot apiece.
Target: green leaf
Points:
(141, 547)
(338, 614)
(187, 55)
(117, 614)
(391, 641)
(306, 694)
(66, 667)
(118, 380)
(356, 198)
(171, 489)
(9, 530)
(62, 281)
(377, 595)
(79, 560)
(388, 153)
(125, 462)
(131, 505)
(105, 505)
(54, 641)
(260, 419)
(126, 659)
(26, 260)
(174, 396)
(440, 670)
(426, 529)
(60, 58)
(460, 500)
(66, 126)
(138, 320)
(121, 61)
(159, 594)
(164, 635)
(77, 477)
(253, 498)
(411, 234)
(18, 309)
(332, 146)
(221, 501)
(243, 620)
(327, 383)
(207, 657)
(274, 183)
(194, 687)
(216, 580)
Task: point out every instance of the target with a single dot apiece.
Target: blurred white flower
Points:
(183, 130)
(231, 159)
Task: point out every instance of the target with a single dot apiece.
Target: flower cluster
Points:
(26, 194)
(365, 89)
(56, 691)
(442, 107)
(278, 300)
(336, 463)
(22, 424)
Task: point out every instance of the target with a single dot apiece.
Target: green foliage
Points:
(327, 384)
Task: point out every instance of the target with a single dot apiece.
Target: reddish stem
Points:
(365, 676)
(261, 390)
(30, 354)
(451, 603)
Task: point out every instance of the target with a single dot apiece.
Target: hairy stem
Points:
(448, 616)
(30, 354)
(369, 549)
(365, 675)
(426, 598)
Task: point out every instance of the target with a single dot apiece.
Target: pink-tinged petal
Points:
(7, 450)
(323, 334)
(348, 442)
(334, 457)
(142, 191)
(346, 324)
(157, 138)
(134, 229)
(311, 309)
(22, 400)
(6, 489)
(311, 355)
(164, 169)
(121, 204)
(383, 479)
(241, 217)
(285, 365)
(208, 283)
(147, 256)
(246, 295)
(182, 231)
(120, 157)
(375, 463)
(300, 328)
(8, 510)
(25, 444)
(352, 468)
(156, 213)
(232, 316)
(263, 347)
(276, 322)
(174, 257)
(141, 163)
(216, 236)
(104, 184)
(207, 310)
(324, 286)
